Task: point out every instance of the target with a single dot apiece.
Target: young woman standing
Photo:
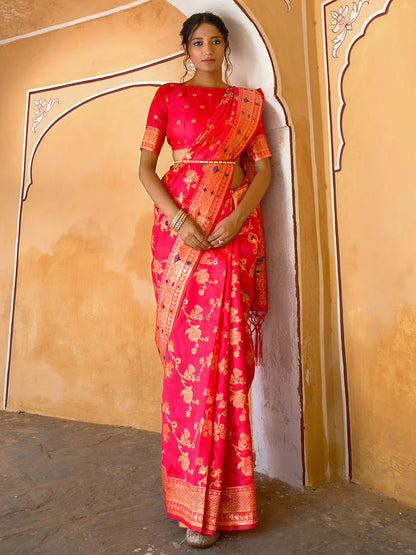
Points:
(209, 278)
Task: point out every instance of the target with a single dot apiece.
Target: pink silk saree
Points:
(202, 331)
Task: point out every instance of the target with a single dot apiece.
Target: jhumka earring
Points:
(228, 65)
(189, 66)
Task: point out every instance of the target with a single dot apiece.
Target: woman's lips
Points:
(209, 60)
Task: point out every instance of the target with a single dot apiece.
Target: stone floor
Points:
(75, 488)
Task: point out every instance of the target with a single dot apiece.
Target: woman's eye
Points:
(197, 43)
(217, 41)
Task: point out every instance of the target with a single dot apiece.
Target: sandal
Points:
(199, 539)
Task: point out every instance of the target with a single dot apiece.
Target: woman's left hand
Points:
(225, 231)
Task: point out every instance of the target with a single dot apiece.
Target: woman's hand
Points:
(192, 235)
(225, 231)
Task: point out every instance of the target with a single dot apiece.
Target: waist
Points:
(203, 162)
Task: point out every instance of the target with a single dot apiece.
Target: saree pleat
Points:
(202, 332)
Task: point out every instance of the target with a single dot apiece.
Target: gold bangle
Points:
(178, 225)
(178, 220)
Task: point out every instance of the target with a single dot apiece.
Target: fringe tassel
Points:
(255, 321)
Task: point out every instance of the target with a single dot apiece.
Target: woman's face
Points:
(206, 48)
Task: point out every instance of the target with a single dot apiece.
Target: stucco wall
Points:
(83, 322)
(375, 190)
(84, 311)
(341, 231)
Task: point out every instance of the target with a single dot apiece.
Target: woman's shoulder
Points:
(170, 87)
(167, 90)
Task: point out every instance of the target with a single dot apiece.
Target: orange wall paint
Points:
(83, 343)
(377, 226)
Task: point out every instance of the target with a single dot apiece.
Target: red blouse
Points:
(180, 113)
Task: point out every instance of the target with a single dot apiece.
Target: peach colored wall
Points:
(83, 329)
(376, 212)
(83, 324)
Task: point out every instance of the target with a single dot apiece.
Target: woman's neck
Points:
(206, 79)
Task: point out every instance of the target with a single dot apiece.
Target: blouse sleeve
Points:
(154, 134)
(258, 148)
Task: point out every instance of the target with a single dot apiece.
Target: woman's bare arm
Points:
(227, 228)
(190, 232)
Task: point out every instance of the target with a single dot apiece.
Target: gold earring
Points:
(228, 65)
(189, 66)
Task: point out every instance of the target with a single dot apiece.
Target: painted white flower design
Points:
(42, 107)
(341, 23)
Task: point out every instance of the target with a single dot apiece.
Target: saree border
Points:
(190, 503)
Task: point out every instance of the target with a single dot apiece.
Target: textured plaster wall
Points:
(83, 324)
(377, 225)
(83, 328)
(84, 315)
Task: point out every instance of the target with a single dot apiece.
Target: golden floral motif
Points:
(165, 432)
(168, 369)
(215, 475)
(202, 277)
(223, 366)
(184, 460)
(194, 333)
(157, 267)
(236, 377)
(246, 466)
(202, 470)
(244, 453)
(187, 395)
(238, 399)
(189, 373)
(191, 178)
(220, 431)
(244, 442)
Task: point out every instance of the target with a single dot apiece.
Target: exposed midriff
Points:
(238, 174)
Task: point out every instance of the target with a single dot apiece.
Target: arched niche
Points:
(276, 402)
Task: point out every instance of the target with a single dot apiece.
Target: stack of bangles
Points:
(178, 220)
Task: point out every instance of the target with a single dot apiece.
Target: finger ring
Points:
(220, 241)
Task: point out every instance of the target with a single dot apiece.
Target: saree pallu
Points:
(202, 331)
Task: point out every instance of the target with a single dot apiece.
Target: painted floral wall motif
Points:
(349, 22)
(342, 22)
(40, 109)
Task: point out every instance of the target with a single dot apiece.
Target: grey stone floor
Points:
(75, 488)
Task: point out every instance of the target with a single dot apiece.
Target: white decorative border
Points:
(336, 120)
(335, 165)
(24, 188)
(74, 21)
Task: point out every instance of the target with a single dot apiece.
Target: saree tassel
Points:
(256, 319)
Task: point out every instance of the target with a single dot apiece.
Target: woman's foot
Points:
(198, 539)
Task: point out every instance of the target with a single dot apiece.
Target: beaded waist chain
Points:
(204, 162)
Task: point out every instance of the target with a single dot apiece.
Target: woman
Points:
(208, 272)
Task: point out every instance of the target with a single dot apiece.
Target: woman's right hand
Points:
(192, 235)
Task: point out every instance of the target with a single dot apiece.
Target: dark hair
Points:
(189, 27)
(195, 21)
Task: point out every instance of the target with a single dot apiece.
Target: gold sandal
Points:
(198, 539)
